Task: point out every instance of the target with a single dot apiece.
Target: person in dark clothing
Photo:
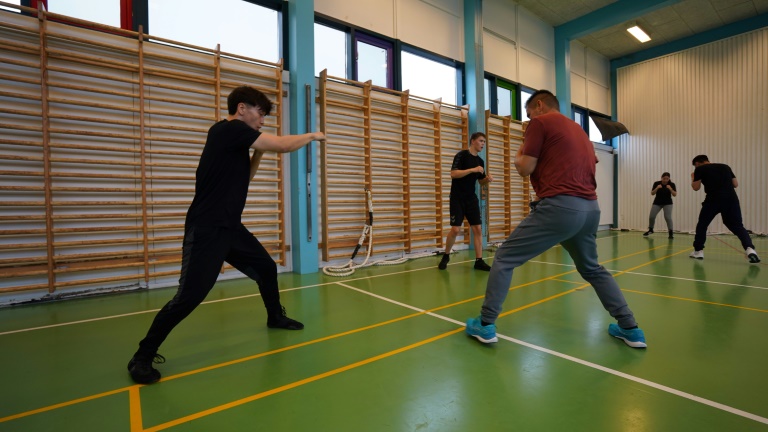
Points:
(720, 186)
(664, 190)
(467, 168)
(213, 232)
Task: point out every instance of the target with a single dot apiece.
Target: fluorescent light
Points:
(639, 34)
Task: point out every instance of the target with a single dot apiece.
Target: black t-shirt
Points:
(663, 195)
(223, 175)
(717, 179)
(464, 187)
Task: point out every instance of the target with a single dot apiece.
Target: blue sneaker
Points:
(485, 334)
(634, 338)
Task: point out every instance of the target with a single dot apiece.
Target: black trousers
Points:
(730, 210)
(204, 250)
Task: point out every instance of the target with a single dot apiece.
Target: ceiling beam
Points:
(609, 16)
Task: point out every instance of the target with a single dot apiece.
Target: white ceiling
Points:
(680, 20)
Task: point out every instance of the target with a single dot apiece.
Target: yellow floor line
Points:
(242, 401)
(135, 409)
(64, 404)
(298, 383)
(75, 401)
(696, 301)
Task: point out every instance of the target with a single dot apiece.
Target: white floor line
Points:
(660, 276)
(221, 300)
(614, 372)
(346, 280)
(695, 280)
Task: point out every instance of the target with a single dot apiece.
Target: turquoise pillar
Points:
(563, 72)
(474, 76)
(611, 15)
(304, 203)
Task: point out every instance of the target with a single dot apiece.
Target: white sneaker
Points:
(752, 255)
(698, 254)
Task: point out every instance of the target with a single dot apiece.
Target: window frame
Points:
(367, 38)
(520, 89)
(586, 112)
(461, 97)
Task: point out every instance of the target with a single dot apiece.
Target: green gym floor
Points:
(385, 350)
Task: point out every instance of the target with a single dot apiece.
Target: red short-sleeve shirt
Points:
(566, 157)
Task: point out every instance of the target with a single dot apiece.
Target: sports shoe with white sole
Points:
(485, 334)
(632, 337)
(752, 255)
(698, 254)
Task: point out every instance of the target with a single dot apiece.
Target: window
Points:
(594, 132)
(98, 11)
(374, 60)
(16, 2)
(506, 95)
(428, 78)
(330, 51)
(525, 93)
(501, 96)
(240, 27)
(580, 117)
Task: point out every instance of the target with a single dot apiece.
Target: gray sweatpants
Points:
(571, 222)
(655, 209)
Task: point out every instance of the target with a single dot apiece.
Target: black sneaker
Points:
(141, 370)
(444, 262)
(281, 321)
(481, 265)
(671, 235)
(647, 233)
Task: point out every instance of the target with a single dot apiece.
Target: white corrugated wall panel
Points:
(711, 100)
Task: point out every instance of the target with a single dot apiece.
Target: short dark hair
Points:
(249, 96)
(477, 135)
(666, 174)
(545, 96)
(700, 159)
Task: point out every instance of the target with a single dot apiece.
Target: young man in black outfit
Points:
(664, 190)
(213, 231)
(467, 168)
(720, 186)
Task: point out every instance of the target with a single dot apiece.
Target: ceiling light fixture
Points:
(639, 33)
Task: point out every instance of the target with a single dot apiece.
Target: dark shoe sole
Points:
(753, 258)
(148, 378)
(289, 326)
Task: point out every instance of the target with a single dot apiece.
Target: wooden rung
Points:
(340, 123)
(388, 130)
(386, 139)
(337, 103)
(345, 114)
(386, 120)
(392, 113)
(349, 134)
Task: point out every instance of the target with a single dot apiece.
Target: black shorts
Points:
(465, 207)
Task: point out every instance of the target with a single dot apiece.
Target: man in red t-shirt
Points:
(560, 159)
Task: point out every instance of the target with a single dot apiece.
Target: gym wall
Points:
(102, 133)
(711, 100)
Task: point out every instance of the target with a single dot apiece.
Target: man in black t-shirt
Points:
(720, 186)
(213, 232)
(663, 191)
(467, 168)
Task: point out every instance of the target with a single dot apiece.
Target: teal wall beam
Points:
(303, 182)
